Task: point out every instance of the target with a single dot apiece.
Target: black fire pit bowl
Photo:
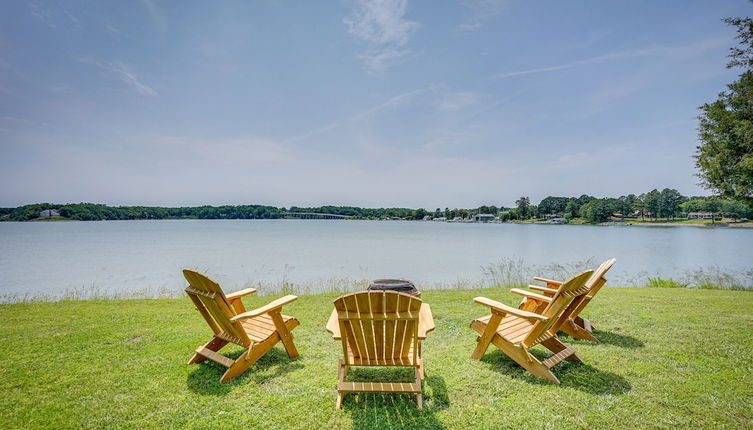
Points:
(399, 285)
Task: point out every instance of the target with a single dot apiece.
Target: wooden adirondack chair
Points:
(515, 331)
(380, 328)
(576, 326)
(257, 330)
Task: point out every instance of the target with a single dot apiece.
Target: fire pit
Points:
(399, 285)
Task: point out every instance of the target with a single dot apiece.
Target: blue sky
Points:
(383, 103)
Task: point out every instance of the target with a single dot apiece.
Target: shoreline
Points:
(619, 224)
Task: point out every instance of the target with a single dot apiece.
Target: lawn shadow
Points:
(608, 338)
(580, 376)
(391, 410)
(205, 379)
(622, 340)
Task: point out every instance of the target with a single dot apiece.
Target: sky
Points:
(384, 103)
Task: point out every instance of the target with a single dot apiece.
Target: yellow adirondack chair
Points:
(257, 330)
(380, 328)
(515, 331)
(576, 326)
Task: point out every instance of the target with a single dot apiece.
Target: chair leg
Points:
(573, 329)
(213, 345)
(248, 358)
(525, 359)
(584, 323)
(489, 332)
(342, 372)
(285, 335)
(419, 395)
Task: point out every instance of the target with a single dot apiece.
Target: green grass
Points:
(668, 358)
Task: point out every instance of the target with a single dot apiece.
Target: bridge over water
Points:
(311, 215)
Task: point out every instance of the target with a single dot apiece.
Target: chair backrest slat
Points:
(210, 300)
(597, 280)
(566, 293)
(594, 284)
(378, 325)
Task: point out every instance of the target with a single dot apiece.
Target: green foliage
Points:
(666, 203)
(598, 210)
(742, 56)
(522, 207)
(553, 205)
(725, 156)
(97, 212)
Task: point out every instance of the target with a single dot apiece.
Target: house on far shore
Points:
(441, 218)
(483, 217)
(49, 213)
(700, 215)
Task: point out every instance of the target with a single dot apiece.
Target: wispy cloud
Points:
(458, 100)
(124, 73)
(42, 13)
(130, 78)
(154, 14)
(392, 101)
(583, 159)
(481, 11)
(382, 25)
(72, 17)
(364, 114)
(674, 52)
(633, 53)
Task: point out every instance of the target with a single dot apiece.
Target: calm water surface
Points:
(50, 258)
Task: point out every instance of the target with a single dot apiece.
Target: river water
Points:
(51, 258)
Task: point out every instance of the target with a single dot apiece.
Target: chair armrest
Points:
(504, 309)
(272, 306)
(425, 321)
(238, 294)
(547, 281)
(530, 295)
(545, 290)
(333, 325)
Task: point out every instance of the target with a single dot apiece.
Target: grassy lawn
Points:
(669, 358)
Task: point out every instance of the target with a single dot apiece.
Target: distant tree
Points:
(669, 202)
(652, 202)
(626, 205)
(640, 205)
(597, 210)
(419, 213)
(725, 156)
(582, 200)
(522, 205)
(553, 205)
(572, 207)
(735, 209)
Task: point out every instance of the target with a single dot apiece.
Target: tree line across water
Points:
(667, 204)
(655, 204)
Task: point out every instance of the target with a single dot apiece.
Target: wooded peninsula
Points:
(654, 205)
